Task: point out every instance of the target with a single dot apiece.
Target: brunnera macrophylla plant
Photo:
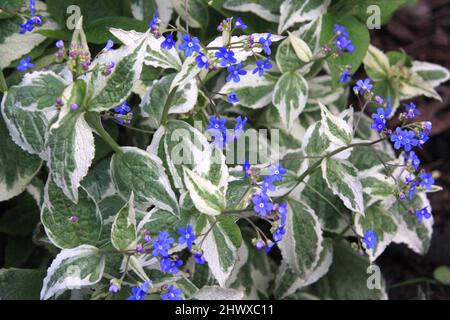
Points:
(192, 205)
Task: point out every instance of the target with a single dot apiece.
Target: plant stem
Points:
(94, 120)
(412, 281)
(3, 85)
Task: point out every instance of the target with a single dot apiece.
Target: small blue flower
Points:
(169, 265)
(423, 137)
(412, 191)
(60, 44)
(123, 108)
(202, 61)
(199, 258)
(277, 172)
(370, 239)
(278, 234)
(261, 204)
(426, 180)
(140, 292)
(162, 244)
(282, 211)
(269, 246)
(114, 287)
(235, 72)
(261, 65)
(415, 161)
(266, 43)
(168, 42)
(427, 126)
(173, 293)
(154, 22)
(404, 138)
(239, 128)
(362, 86)
(259, 244)
(187, 236)
(240, 24)
(246, 167)
(382, 114)
(411, 110)
(219, 138)
(340, 30)
(25, 64)
(108, 46)
(423, 214)
(217, 124)
(345, 76)
(267, 184)
(225, 57)
(189, 46)
(378, 125)
(344, 44)
(233, 98)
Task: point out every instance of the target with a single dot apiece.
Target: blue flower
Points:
(411, 110)
(240, 24)
(427, 126)
(412, 190)
(262, 204)
(382, 114)
(233, 98)
(217, 124)
(32, 7)
(239, 128)
(60, 44)
(25, 64)
(362, 86)
(277, 172)
(114, 287)
(344, 44)
(108, 46)
(370, 239)
(220, 138)
(426, 180)
(189, 46)
(266, 43)
(225, 57)
(267, 184)
(168, 42)
(170, 265)
(415, 161)
(269, 246)
(173, 293)
(246, 167)
(187, 236)
(278, 234)
(154, 22)
(162, 244)
(282, 211)
(378, 125)
(259, 244)
(202, 61)
(140, 292)
(423, 137)
(199, 258)
(340, 30)
(423, 214)
(235, 72)
(404, 138)
(261, 65)
(345, 76)
(123, 108)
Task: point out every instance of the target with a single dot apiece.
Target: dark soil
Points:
(423, 32)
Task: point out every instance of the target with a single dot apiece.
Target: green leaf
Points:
(315, 142)
(135, 171)
(98, 182)
(153, 102)
(189, 70)
(71, 151)
(58, 209)
(302, 244)
(414, 85)
(97, 31)
(321, 91)
(196, 14)
(337, 130)
(293, 12)
(266, 9)
(20, 284)
(123, 231)
(218, 293)
(73, 269)
(21, 218)
(376, 64)
(382, 223)
(432, 73)
(289, 97)
(18, 167)
(342, 178)
(111, 90)
(442, 274)
(219, 245)
(29, 108)
(286, 58)
(208, 198)
(347, 278)
(253, 91)
(357, 32)
(287, 282)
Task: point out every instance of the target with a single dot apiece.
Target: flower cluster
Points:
(24, 64)
(221, 134)
(264, 207)
(123, 113)
(32, 21)
(343, 41)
